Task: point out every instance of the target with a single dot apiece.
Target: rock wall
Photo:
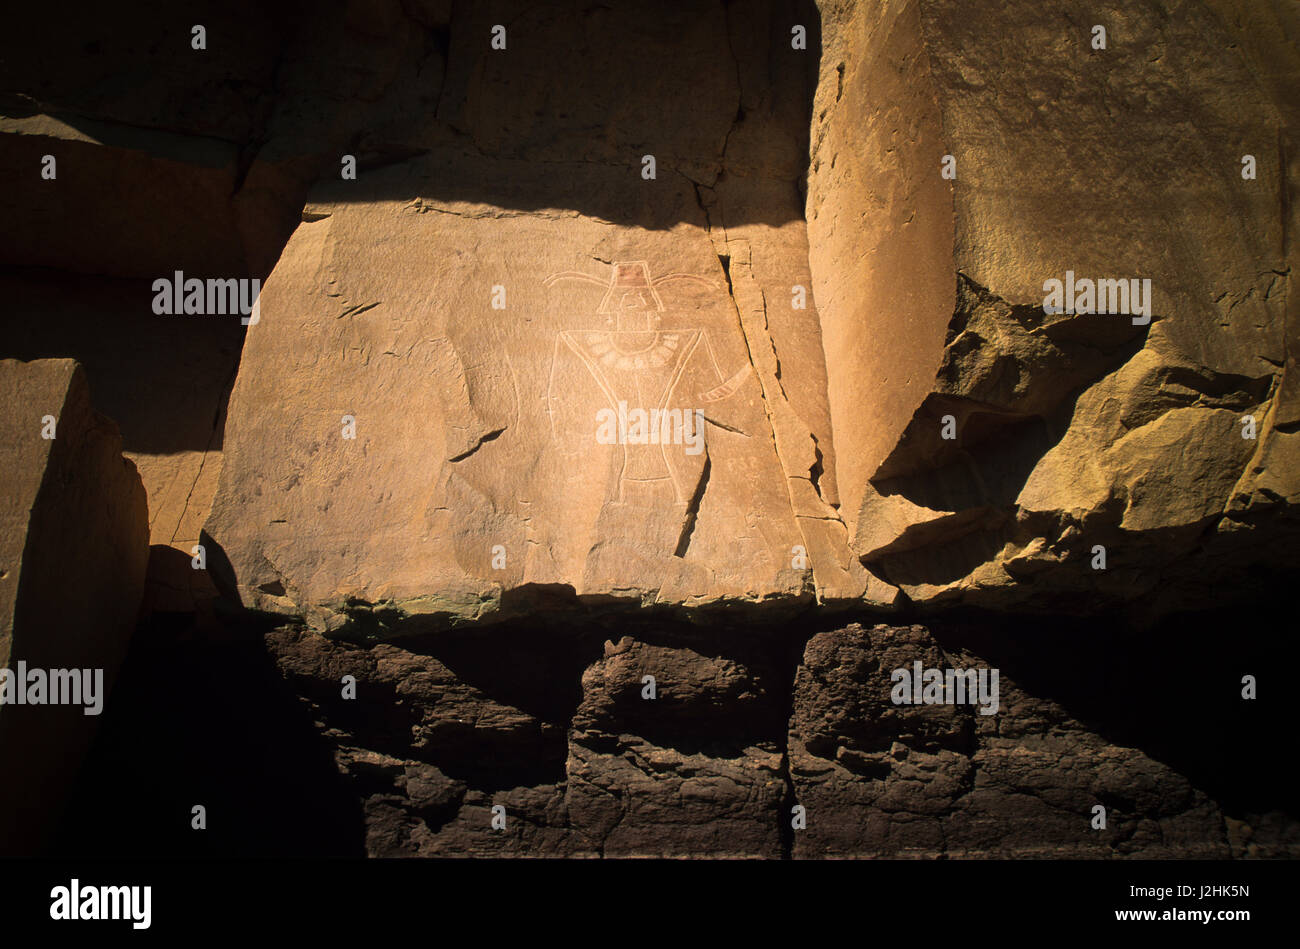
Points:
(442, 336)
(1042, 438)
(73, 550)
(754, 743)
(477, 608)
(881, 225)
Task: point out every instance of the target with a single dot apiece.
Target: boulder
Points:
(74, 545)
(429, 754)
(645, 780)
(881, 779)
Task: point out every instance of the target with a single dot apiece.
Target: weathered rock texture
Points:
(714, 755)
(475, 309)
(1071, 431)
(413, 475)
(493, 280)
(644, 779)
(482, 168)
(431, 754)
(880, 779)
(74, 544)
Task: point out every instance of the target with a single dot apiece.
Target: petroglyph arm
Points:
(685, 276)
(572, 275)
(727, 387)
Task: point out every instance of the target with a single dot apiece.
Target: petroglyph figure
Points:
(639, 366)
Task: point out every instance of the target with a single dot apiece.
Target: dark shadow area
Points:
(991, 352)
(981, 488)
(134, 63)
(164, 380)
(534, 665)
(715, 92)
(173, 585)
(489, 708)
(1167, 691)
(200, 715)
(403, 724)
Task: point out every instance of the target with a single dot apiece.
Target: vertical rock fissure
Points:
(725, 261)
(788, 658)
(693, 509)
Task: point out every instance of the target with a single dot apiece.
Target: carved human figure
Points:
(669, 374)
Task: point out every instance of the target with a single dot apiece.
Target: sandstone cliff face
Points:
(965, 446)
(414, 436)
(1162, 442)
(73, 551)
(824, 425)
(519, 624)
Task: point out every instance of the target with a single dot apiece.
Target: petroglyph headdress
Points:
(629, 287)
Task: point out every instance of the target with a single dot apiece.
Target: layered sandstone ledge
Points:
(480, 745)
